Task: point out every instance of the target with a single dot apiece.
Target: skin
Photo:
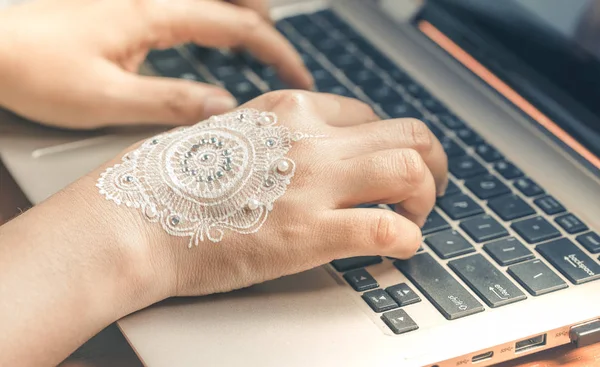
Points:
(76, 263)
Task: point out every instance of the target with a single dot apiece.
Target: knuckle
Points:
(287, 100)
(414, 169)
(250, 20)
(419, 135)
(384, 231)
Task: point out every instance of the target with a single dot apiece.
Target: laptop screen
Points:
(547, 50)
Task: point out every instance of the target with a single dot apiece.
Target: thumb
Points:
(140, 99)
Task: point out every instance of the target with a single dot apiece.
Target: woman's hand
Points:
(358, 160)
(73, 63)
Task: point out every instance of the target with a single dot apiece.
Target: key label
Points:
(499, 291)
(461, 204)
(461, 305)
(573, 260)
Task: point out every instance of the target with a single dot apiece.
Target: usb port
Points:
(535, 342)
(482, 357)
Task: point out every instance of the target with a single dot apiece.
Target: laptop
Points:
(510, 261)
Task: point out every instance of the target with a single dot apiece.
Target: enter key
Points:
(486, 280)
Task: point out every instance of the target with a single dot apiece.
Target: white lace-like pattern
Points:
(221, 174)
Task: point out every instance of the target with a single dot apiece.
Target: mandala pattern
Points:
(221, 174)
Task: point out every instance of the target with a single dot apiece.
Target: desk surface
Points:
(109, 348)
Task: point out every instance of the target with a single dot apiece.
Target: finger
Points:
(155, 100)
(217, 24)
(335, 110)
(401, 133)
(370, 232)
(259, 6)
(398, 176)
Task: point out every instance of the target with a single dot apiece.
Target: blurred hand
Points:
(74, 63)
(360, 160)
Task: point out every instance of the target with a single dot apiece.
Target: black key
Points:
(536, 277)
(465, 167)
(382, 93)
(432, 105)
(441, 289)
(434, 223)
(510, 207)
(488, 282)
(403, 295)
(451, 122)
(346, 62)
(171, 64)
(571, 223)
(570, 260)
(339, 90)
(360, 280)
(508, 251)
(452, 188)
(508, 170)
(459, 206)
(399, 76)
(399, 321)
(355, 262)
(329, 46)
(528, 187)
(591, 241)
(379, 300)
(416, 90)
(535, 230)
(324, 79)
(243, 91)
(488, 153)
(449, 244)
(451, 148)
(486, 186)
(434, 129)
(549, 205)
(363, 77)
(483, 228)
(401, 109)
(468, 136)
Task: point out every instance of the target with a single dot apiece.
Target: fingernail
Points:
(216, 105)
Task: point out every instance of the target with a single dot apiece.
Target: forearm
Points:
(66, 272)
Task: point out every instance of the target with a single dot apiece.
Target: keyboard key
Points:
(535, 230)
(339, 90)
(439, 287)
(401, 109)
(434, 223)
(449, 244)
(399, 321)
(573, 263)
(508, 170)
(403, 295)
(416, 90)
(528, 187)
(536, 277)
(451, 122)
(243, 90)
(346, 62)
(324, 79)
(170, 63)
(432, 105)
(483, 228)
(360, 280)
(549, 205)
(510, 207)
(362, 77)
(451, 148)
(355, 262)
(382, 93)
(488, 282)
(379, 300)
(465, 167)
(488, 153)
(452, 188)
(486, 186)
(508, 251)
(468, 136)
(571, 223)
(459, 206)
(591, 241)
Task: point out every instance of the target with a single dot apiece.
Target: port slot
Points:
(482, 357)
(531, 343)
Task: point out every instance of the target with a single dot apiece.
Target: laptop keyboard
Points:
(490, 206)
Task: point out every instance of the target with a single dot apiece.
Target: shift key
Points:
(570, 260)
(441, 289)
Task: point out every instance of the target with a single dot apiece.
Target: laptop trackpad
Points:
(274, 318)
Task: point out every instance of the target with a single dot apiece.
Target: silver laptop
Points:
(509, 265)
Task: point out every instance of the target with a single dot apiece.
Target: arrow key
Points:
(360, 280)
(379, 300)
(402, 294)
(399, 321)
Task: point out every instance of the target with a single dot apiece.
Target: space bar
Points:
(440, 288)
